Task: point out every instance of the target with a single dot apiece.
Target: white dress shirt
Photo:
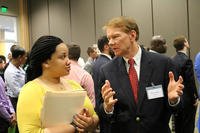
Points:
(14, 80)
(137, 59)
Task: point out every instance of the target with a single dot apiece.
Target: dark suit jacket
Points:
(101, 60)
(184, 67)
(148, 116)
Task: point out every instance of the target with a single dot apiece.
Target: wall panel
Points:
(104, 11)
(59, 19)
(81, 21)
(140, 10)
(170, 20)
(194, 26)
(82, 24)
(39, 20)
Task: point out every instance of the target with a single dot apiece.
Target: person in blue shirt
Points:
(197, 72)
(197, 66)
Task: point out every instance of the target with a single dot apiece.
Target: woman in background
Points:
(48, 63)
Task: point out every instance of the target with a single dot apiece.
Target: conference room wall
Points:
(38, 19)
(194, 26)
(81, 21)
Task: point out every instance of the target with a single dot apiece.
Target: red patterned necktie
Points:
(133, 79)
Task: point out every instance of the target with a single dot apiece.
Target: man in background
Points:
(105, 56)
(185, 117)
(158, 45)
(79, 74)
(92, 53)
(10, 55)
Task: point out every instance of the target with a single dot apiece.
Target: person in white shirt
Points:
(14, 75)
(92, 53)
(81, 62)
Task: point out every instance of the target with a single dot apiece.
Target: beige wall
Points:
(81, 21)
(170, 20)
(140, 10)
(194, 26)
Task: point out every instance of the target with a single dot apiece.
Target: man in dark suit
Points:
(105, 56)
(185, 117)
(143, 106)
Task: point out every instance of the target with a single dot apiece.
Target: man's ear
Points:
(106, 46)
(133, 35)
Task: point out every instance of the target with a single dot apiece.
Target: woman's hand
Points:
(84, 121)
(13, 119)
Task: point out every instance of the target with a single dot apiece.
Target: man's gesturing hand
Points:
(175, 88)
(107, 94)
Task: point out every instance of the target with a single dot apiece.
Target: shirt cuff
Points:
(109, 113)
(174, 104)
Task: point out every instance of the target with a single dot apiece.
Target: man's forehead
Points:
(113, 31)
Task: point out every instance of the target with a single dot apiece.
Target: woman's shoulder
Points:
(32, 87)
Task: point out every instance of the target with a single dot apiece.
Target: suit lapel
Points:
(125, 82)
(146, 70)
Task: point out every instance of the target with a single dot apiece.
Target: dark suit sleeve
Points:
(99, 100)
(188, 75)
(173, 68)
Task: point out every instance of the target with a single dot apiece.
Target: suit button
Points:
(137, 119)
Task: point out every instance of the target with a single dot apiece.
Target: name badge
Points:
(154, 91)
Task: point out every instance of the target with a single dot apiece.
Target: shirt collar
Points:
(106, 55)
(153, 51)
(137, 57)
(74, 62)
(182, 51)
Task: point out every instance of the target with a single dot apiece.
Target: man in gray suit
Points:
(136, 97)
